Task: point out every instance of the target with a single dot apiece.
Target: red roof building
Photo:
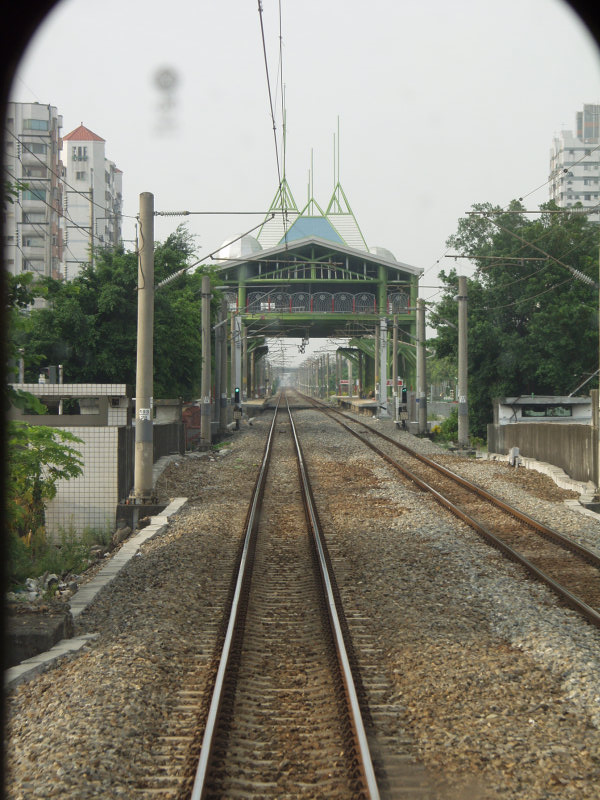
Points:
(83, 134)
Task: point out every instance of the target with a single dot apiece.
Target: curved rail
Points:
(591, 614)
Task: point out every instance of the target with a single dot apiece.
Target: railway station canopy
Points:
(309, 273)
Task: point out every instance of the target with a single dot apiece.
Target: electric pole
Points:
(205, 410)
(421, 368)
(142, 491)
(463, 407)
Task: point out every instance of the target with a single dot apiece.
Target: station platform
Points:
(367, 407)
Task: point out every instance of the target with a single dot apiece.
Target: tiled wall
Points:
(108, 454)
(88, 501)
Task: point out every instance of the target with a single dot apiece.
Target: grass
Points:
(38, 556)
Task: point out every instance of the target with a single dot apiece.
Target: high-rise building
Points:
(33, 240)
(575, 164)
(93, 199)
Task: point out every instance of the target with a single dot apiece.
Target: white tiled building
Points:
(33, 241)
(575, 164)
(93, 199)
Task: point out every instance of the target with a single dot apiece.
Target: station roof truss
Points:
(311, 270)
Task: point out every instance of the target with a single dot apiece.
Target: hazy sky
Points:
(441, 105)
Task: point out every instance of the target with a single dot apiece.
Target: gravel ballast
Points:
(497, 684)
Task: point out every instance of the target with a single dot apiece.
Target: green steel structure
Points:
(309, 274)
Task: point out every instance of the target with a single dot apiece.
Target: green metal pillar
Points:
(242, 288)
(382, 290)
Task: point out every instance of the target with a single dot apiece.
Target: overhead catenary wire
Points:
(521, 198)
(64, 215)
(575, 272)
(264, 47)
(183, 270)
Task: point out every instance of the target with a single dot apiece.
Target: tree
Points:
(532, 324)
(90, 323)
(39, 456)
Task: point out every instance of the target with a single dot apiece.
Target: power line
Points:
(264, 46)
(59, 212)
(541, 186)
(182, 271)
(60, 177)
(575, 272)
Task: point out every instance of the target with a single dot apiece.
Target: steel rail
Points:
(568, 597)
(480, 491)
(199, 787)
(366, 764)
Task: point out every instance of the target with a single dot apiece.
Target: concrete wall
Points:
(571, 446)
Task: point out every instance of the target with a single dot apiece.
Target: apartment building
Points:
(33, 231)
(575, 164)
(92, 199)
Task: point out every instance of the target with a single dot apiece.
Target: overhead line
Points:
(264, 46)
(60, 177)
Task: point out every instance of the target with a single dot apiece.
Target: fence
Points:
(570, 446)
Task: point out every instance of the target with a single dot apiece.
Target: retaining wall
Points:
(570, 446)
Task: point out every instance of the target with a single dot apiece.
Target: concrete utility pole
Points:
(205, 411)
(222, 389)
(244, 386)
(463, 407)
(349, 363)
(383, 342)
(237, 347)
(421, 367)
(377, 365)
(142, 490)
(395, 367)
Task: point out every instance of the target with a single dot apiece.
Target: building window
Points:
(80, 176)
(34, 194)
(546, 411)
(34, 216)
(33, 266)
(33, 241)
(35, 124)
(36, 147)
(79, 153)
(586, 197)
(35, 172)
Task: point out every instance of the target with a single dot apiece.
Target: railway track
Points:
(569, 569)
(284, 718)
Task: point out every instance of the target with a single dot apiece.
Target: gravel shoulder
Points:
(497, 684)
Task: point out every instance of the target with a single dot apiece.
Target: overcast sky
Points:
(441, 105)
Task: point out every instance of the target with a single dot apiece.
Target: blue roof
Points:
(305, 227)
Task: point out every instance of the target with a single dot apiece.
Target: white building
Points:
(575, 164)
(93, 199)
(33, 228)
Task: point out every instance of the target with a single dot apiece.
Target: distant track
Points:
(568, 568)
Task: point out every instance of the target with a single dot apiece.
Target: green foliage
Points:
(90, 323)
(39, 457)
(532, 325)
(11, 192)
(448, 427)
(20, 294)
(70, 554)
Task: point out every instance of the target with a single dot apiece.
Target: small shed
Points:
(542, 408)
